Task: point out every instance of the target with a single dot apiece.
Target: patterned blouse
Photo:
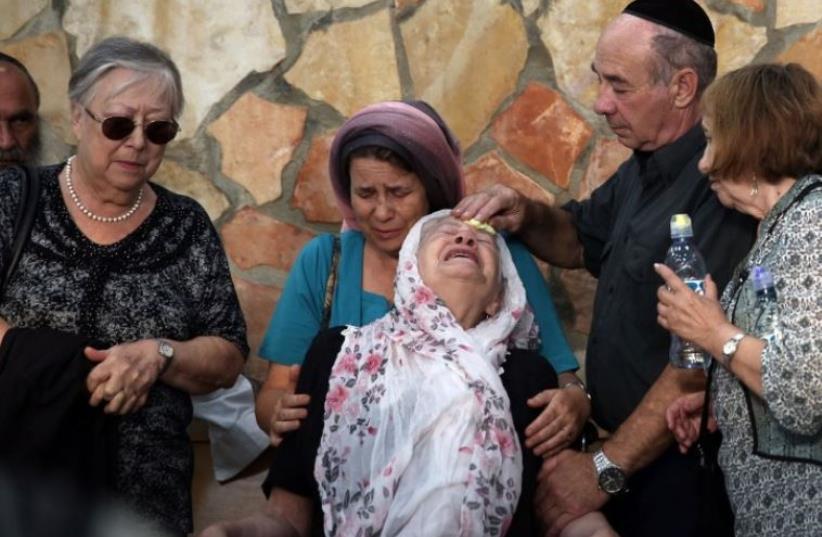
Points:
(773, 471)
(168, 279)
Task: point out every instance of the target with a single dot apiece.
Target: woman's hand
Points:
(561, 421)
(695, 318)
(124, 374)
(289, 409)
(684, 417)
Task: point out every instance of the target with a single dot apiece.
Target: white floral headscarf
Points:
(418, 436)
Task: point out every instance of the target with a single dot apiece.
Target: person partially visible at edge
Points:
(19, 121)
(390, 164)
(653, 62)
(764, 158)
(411, 428)
(119, 259)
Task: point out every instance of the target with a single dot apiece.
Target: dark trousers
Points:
(669, 498)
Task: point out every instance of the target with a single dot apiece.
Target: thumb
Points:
(710, 288)
(95, 355)
(542, 398)
(293, 375)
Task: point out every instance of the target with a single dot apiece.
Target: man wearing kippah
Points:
(19, 124)
(653, 62)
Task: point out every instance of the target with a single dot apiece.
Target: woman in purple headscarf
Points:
(391, 164)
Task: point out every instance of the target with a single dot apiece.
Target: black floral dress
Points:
(169, 278)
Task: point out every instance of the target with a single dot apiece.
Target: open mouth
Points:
(461, 253)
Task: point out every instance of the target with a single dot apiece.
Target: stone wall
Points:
(268, 82)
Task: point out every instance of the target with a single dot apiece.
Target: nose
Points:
(465, 236)
(384, 210)
(137, 137)
(7, 140)
(704, 163)
(604, 105)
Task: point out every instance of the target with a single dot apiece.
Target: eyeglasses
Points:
(119, 127)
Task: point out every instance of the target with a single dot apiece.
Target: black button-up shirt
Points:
(624, 228)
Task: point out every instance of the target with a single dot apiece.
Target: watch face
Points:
(165, 350)
(729, 348)
(612, 480)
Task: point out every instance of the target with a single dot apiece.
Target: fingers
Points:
(711, 290)
(672, 281)
(496, 205)
(293, 375)
(293, 400)
(541, 399)
(95, 355)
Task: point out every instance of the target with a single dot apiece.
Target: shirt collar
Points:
(667, 162)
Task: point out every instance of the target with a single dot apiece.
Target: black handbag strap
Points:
(705, 458)
(331, 283)
(23, 221)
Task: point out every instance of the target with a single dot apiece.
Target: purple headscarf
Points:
(415, 133)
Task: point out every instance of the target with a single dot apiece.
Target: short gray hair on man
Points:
(144, 58)
(675, 51)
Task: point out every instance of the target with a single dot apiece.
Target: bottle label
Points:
(697, 286)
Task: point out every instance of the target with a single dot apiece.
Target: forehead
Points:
(449, 224)
(14, 88)
(624, 49)
(133, 89)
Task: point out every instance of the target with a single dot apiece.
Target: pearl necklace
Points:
(96, 217)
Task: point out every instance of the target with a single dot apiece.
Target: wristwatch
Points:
(730, 346)
(611, 477)
(165, 350)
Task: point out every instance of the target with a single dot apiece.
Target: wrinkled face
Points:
(636, 107)
(452, 251)
(732, 192)
(387, 201)
(18, 116)
(124, 164)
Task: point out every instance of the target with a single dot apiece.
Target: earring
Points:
(754, 187)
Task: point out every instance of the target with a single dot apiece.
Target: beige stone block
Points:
(465, 57)
(606, 157)
(790, 12)
(16, 13)
(807, 51)
(258, 138)
(194, 185)
(304, 6)
(349, 64)
(541, 130)
(214, 44)
(737, 42)
(253, 239)
(257, 302)
(46, 57)
(491, 169)
(529, 6)
(570, 30)
(313, 194)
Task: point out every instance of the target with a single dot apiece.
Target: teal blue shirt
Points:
(299, 312)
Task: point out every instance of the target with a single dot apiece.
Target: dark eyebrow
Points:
(22, 116)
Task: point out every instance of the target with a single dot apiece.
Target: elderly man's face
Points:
(18, 116)
(637, 108)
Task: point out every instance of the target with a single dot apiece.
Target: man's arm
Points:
(548, 231)
(645, 434)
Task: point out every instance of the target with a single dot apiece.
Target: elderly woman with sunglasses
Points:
(135, 267)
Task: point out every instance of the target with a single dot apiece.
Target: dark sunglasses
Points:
(118, 127)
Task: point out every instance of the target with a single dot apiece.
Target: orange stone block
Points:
(490, 169)
(606, 157)
(313, 194)
(541, 130)
(252, 239)
(756, 6)
(806, 52)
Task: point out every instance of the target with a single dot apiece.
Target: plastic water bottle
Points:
(686, 261)
(767, 323)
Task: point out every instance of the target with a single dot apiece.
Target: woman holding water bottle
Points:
(763, 124)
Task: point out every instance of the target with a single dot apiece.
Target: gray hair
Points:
(674, 51)
(145, 59)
